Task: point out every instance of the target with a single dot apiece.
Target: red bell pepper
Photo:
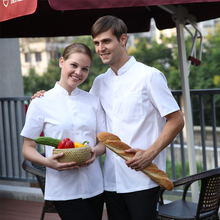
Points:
(65, 143)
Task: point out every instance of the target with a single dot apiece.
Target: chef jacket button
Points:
(75, 114)
(77, 132)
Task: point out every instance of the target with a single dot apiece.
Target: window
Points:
(27, 57)
(38, 56)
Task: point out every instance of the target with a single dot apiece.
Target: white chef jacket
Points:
(79, 117)
(135, 103)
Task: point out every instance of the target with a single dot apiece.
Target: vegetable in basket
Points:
(65, 143)
(47, 141)
(77, 145)
(59, 144)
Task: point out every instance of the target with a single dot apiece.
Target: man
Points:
(141, 110)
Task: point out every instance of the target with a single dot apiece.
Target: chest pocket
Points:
(132, 105)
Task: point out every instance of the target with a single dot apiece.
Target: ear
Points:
(124, 39)
(61, 61)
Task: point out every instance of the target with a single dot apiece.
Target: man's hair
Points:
(103, 24)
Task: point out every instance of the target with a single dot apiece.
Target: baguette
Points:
(114, 143)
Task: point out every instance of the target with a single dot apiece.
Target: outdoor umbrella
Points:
(50, 18)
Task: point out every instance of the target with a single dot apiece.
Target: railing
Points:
(12, 117)
(205, 106)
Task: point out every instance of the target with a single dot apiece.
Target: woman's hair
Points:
(107, 22)
(76, 48)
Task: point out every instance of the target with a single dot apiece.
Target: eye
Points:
(107, 41)
(85, 69)
(74, 65)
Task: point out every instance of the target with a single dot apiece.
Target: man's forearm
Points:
(174, 125)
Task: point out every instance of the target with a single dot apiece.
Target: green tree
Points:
(173, 78)
(30, 82)
(205, 76)
(50, 77)
(34, 82)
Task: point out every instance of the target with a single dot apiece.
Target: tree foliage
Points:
(34, 82)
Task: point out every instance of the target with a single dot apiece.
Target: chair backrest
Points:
(40, 179)
(38, 170)
(209, 199)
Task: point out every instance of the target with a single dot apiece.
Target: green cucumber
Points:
(47, 141)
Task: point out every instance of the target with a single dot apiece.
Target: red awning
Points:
(16, 8)
(100, 4)
(75, 17)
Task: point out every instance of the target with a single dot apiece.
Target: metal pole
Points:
(184, 70)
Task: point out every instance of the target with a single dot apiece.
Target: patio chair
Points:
(40, 172)
(208, 203)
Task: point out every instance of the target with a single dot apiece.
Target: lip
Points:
(104, 55)
(74, 78)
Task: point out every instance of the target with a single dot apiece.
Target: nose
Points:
(101, 47)
(78, 71)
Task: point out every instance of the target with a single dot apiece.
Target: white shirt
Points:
(79, 117)
(135, 103)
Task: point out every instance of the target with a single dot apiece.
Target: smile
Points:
(104, 55)
(75, 78)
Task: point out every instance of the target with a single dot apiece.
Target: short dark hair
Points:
(107, 22)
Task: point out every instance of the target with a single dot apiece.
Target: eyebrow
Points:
(108, 38)
(78, 64)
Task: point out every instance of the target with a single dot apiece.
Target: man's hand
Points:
(143, 158)
(140, 160)
(38, 94)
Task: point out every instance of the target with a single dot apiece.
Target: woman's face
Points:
(74, 70)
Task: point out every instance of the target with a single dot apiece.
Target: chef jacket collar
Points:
(126, 66)
(63, 91)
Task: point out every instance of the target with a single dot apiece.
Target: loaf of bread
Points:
(114, 143)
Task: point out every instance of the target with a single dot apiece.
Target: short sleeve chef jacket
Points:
(135, 103)
(78, 117)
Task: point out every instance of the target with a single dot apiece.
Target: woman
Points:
(68, 112)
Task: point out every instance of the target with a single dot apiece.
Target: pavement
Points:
(21, 193)
(26, 193)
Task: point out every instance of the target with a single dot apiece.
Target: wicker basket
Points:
(78, 155)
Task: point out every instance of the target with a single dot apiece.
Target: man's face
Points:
(108, 48)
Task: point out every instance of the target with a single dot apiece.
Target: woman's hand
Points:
(30, 153)
(91, 160)
(53, 163)
(98, 150)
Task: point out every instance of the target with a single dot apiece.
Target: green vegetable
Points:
(47, 141)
